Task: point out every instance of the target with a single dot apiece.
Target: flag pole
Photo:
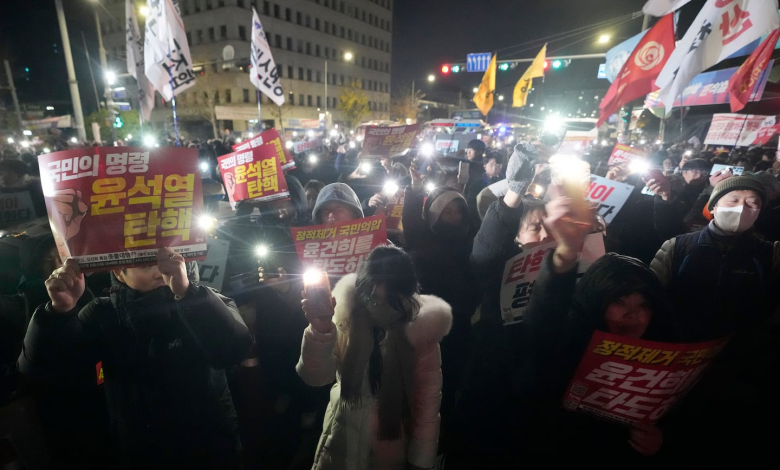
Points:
(173, 100)
(259, 112)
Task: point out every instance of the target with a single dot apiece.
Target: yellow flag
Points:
(526, 81)
(484, 96)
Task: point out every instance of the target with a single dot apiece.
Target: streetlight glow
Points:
(348, 56)
(144, 11)
(475, 90)
(500, 97)
(604, 39)
(110, 77)
(431, 78)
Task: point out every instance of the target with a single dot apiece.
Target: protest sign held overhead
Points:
(388, 141)
(741, 130)
(632, 381)
(167, 59)
(255, 174)
(212, 269)
(625, 153)
(339, 249)
(263, 73)
(287, 161)
(115, 206)
(306, 145)
(520, 274)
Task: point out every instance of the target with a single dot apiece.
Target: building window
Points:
(326, 27)
(319, 77)
(292, 99)
(342, 32)
(212, 38)
(308, 75)
(308, 100)
(221, 3)
(363, 39)
(300, 100)
(189, 38)
(341, 7)
(298, 17)
(288, 15)
(333, 29)
(279, 41)
(308, 21)
(227, 96)
(185, 7)
(317, 24)
(289, 44)
(300, 73)
(209, 5)
(240, 3)
(349, 34)
(223, 32)
(319, 101)
(290, 73)
(200, 36)
(300, 46)
(308, 48)
(327, 53)
(197, 7)
(266, 8)
(341, 81)
(317, 50)
(216, 97)
(277, 12)
(242, 33)
(246, 95)
(280, 69)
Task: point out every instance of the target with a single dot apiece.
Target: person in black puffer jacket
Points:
(164, 343)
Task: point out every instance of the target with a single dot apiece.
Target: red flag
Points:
(743, 81)
(637, 77)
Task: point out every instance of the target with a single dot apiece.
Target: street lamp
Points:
(604, 39)
(500, 97)
(347, 58)
(144, 11)
(110, 77)
(475, 90)
(431, 78)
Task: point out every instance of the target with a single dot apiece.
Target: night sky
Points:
(427, 34)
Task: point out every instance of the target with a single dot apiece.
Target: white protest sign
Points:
(446, 147)
(609, 195)
(212, 269)
(16, 208)
(520, 274)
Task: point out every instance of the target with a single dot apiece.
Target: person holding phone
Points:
(676, 197)
(378, 339)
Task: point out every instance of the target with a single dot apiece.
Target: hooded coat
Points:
(163, 362)
(349, 438)
(561, 318)
(337, 192)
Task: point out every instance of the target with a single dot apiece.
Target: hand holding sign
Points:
(646, 439)
(65, 286)
(173, 270)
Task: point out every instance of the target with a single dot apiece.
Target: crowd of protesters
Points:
(409, 364)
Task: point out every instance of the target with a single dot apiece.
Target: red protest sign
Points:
(255, 173)
(286, 160)
(339, 249)
(388, 141)
(633, 381)
(115, 206)
(624, 153)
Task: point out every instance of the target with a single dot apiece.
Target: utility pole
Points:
(74, 86)
(91, 74)
(106, 86)
(13, 93)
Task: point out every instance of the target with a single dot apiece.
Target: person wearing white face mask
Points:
(721, 279)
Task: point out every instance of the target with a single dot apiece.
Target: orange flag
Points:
(743, 81)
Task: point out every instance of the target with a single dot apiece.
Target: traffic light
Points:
(504, 66)
(557, 64)
(118, 123)
(455, 68)
(445, 69)
(546, 64)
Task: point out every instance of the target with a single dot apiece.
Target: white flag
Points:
(721, 28)
(167, 60)
(662, 7)
(135, 62)
(263, 73)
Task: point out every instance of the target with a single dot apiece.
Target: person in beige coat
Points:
(379, 340)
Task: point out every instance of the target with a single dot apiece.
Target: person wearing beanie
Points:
(676, 197)
(439, 236)
(723, 280)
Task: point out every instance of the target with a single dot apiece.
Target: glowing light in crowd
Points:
(204, 166)
(351, 132)
(642, 142)
(295, 134)
(149, 141)
(10, 140)
(334, 133)
(510, 139)
(430, 187)
(26, 132)
(427, 149)
(288, 144)
(604, 142)
(688, 153)
(390, 188)
(326, 141)
(207, 222)
(365, 168)
(658, 142)
(310, 133)
(639, 166)
(46, 150)
(351, 145)
(311, 276)
(74, 140)
(251, 135)
(313, 159)
(359, 138)
(25, 144)
(261, 250)
(553, 124)
(129, 136)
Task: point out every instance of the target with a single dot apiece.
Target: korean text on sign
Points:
(255, 173)
(16, 208)
(339, 249)
(116, 206)
(633, 381)
(624, 153)
(388, 141)
(286, 160)
(520, 275)
(610, 196)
